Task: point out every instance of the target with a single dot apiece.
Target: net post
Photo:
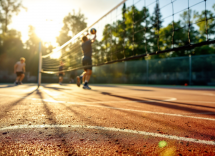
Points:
(190, 70)
(40, 64)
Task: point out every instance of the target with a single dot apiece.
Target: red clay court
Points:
(107, 120)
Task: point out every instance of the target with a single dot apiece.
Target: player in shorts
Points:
(86, 61)
(61, 72)
(19, 70)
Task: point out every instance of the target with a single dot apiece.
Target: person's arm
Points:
(93, 40)
(15, 66)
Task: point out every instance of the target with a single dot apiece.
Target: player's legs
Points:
(18, 76)
(87, 78)
(21, 78)
(60, 79)
(88, 75)
(17, 79)
(87, 62)
(81, 77)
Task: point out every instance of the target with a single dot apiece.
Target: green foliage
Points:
(33, 40)
(73, 24)
(9, 8)
(138, 32)
(205, 27)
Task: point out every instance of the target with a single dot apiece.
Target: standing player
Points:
(19, 70)
(61, 72)
(86, 61)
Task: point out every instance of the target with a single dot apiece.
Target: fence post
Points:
(40, 64)
(190, 70)
(147, 70)
(125, 66)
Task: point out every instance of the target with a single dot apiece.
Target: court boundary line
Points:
(133, 110)
(172, 137)
(20, 96)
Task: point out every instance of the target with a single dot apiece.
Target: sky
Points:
(47, 15)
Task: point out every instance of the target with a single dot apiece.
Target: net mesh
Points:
(175, 71)
(197, 70)
(138, 28)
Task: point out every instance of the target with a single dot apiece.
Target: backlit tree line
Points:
(138, 32)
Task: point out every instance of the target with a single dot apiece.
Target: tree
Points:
(73, 24)
(179, 34)
(33, 40)
(124, 38)
(177, 39)
(156, 25)
(9, 7)
(136, 30)
(11, 49)
(205, 28)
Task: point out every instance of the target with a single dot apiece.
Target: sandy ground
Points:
(107, 120)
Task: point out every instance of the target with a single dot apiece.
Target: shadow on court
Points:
(181, 103)
(51, 119)
(167, 104)
(7, 86)
(105, 134)
(56, 88)
(164, 123)
(10, 106)
(126, 87)
(13, 85)
(81, 118)
(77, 109)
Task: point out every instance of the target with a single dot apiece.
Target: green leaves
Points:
(9, 8)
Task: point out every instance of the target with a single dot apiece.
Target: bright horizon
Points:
(48, 23)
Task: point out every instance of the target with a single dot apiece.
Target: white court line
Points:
(149, 112)
(133, 110)
(173, 137)
(197, 101)
(210, 94)
(50, 100)
(55, 101)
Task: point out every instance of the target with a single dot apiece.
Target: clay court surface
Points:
(107, 120)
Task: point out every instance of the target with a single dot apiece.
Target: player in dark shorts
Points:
(61, 73)
(19, 70)
(86, 61)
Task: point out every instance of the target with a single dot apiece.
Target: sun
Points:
(55, 55)
(47, 31)
(47, 21)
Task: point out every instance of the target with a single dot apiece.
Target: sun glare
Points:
(46, 25)
(56, 55)
(46, 21)
(46, 31)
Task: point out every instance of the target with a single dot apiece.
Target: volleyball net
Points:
(134, 29)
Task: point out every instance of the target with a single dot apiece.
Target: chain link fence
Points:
(191, 70)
